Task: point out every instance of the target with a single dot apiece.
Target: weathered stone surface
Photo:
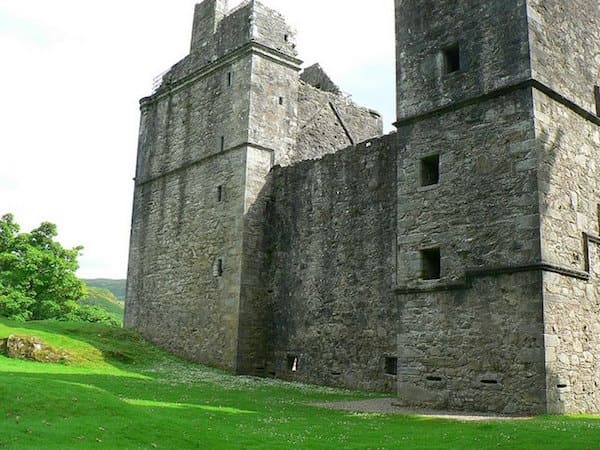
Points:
(31, 348)
(455, 261)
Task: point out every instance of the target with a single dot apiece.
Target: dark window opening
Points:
(391, 365)
(489, 381)
(432, 378)
(335, 373)
(431, 264)
(222, 143)
(292, 363)
(597, 98)
(598, 208)
(281, 100)
(430, 170)
(218, 268)
(286, 37)
(562, 386)
(219, 193)
(452, 59)
(229, 78)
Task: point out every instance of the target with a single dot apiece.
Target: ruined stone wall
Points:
(330, 226)
(479, 348)
(175, 296)
(470, 337)
(565, 47)
(329, 122)
(493, 45)
(482, 213)
(570, 219)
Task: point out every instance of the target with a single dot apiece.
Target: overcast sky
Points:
(71, 76)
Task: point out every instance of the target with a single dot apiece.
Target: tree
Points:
(37, 275)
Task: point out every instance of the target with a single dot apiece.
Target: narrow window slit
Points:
(432, 378)
(292, 363)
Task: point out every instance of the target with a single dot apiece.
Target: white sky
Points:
(72, 73)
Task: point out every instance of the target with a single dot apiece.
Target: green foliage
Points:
(119, 392)
(37, 275)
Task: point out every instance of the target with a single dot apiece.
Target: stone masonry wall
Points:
(570, 210)
(180, 230)
(329, 122)
(479, 348)
(493, 44)
(471, 338)
(565, 47)
(330, 228)
(483, 211)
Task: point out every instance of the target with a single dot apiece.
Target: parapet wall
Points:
(330, 228)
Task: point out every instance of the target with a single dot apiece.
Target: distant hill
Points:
(108, 295)
(117, 287)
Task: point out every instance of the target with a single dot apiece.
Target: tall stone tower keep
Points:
(220, 120)
(497, 204)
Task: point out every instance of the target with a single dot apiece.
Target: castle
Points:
(455, 261)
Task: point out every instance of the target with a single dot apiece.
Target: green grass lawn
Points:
(119, 392)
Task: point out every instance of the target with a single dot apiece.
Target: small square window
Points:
(452, 59)
(391, 365)
(430, 170)
(431, 268)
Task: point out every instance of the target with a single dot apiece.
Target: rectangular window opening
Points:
(229, 79)
(597, 98)
(292, 363)
(286, 37)
(219, 193)
(452, 59)
(218, 267)
(430, 264)
(430, 170)
(391, 365)
(281, 100)
(222, 145)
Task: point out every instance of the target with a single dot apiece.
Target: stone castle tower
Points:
(455, 261)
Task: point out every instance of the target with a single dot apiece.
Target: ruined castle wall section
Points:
(451, 51)
(183, 279)
(329, 122)
(568, 146)
(273, 94)
(565, 48)
(470, 307)
(330, 228)
(467, 185)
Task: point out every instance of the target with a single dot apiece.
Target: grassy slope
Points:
(117, 287)
(119, 392)
(106, 300)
